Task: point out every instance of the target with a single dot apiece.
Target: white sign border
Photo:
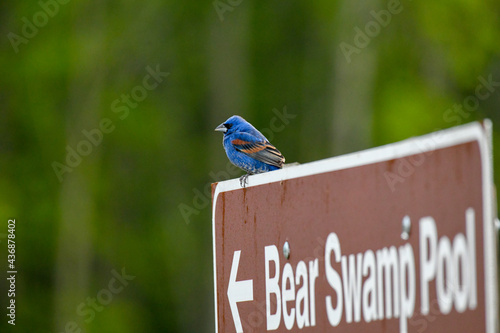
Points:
(480, 132)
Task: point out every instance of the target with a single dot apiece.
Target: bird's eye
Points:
(228, 126)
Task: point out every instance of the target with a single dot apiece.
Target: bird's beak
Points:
(221, 128)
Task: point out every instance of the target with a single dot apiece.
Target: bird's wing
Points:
(260, 150)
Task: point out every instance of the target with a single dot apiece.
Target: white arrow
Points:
(241, 291)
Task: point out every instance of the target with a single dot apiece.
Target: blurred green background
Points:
(349, 75)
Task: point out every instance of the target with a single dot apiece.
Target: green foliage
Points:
(119, 207)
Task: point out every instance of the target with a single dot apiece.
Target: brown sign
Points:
(399, 238)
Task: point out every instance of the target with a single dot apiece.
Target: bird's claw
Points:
(244, 180)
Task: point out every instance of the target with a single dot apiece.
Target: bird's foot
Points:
(244, 180)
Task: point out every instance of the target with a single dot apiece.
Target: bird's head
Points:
(232, 124)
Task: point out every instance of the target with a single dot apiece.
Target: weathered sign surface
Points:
(398, 238)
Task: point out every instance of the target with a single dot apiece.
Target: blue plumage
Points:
(247, 148)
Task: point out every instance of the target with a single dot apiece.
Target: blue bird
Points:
(248, 149)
